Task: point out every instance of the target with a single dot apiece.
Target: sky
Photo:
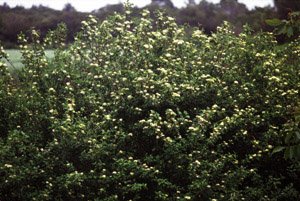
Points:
(89, 5)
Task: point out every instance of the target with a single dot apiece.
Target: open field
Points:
(16, 57)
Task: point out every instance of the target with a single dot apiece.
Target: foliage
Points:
(284, 7)
(132, 111)
(292, 139)
(289, 27)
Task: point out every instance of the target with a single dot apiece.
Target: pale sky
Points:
(89, 5)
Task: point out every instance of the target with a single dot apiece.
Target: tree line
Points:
(205, 15)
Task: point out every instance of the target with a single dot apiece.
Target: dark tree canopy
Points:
(69, 8)
(167, 3)
(205, 15)
(283, 7)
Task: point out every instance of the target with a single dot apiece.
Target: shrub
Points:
(290, 27)
(135, 111)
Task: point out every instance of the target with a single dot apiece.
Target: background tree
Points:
(167, 3)
(204, 15)
(232, 8)
(256, 18)
(69, 8)
(283, 7)
(191, 3)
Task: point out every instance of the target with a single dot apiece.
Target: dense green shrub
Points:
(290, 27)
(132, 112)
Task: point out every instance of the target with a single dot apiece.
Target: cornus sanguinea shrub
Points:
(134, 110)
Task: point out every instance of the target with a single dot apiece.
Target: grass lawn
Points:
(15, 57)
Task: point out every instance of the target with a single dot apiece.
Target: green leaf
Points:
(289, 153)
(286, 153)
(297, 134)
(297, 118)
(298, 151)
(274, 22)
(290, 31)
(278, 149)
(281, 29)
(293, 152)
(295, 13)
(288, 137)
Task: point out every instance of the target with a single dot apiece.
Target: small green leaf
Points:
(293, 152)
(288, 137)
(290, 31)
(289, 153)
(298, 151)
(281, 29)
(295, 13)
(274, 22)
(297, 118)
(286, 153)
(297, 134)
(278, 149)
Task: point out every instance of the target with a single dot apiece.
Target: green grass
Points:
(15, 57)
